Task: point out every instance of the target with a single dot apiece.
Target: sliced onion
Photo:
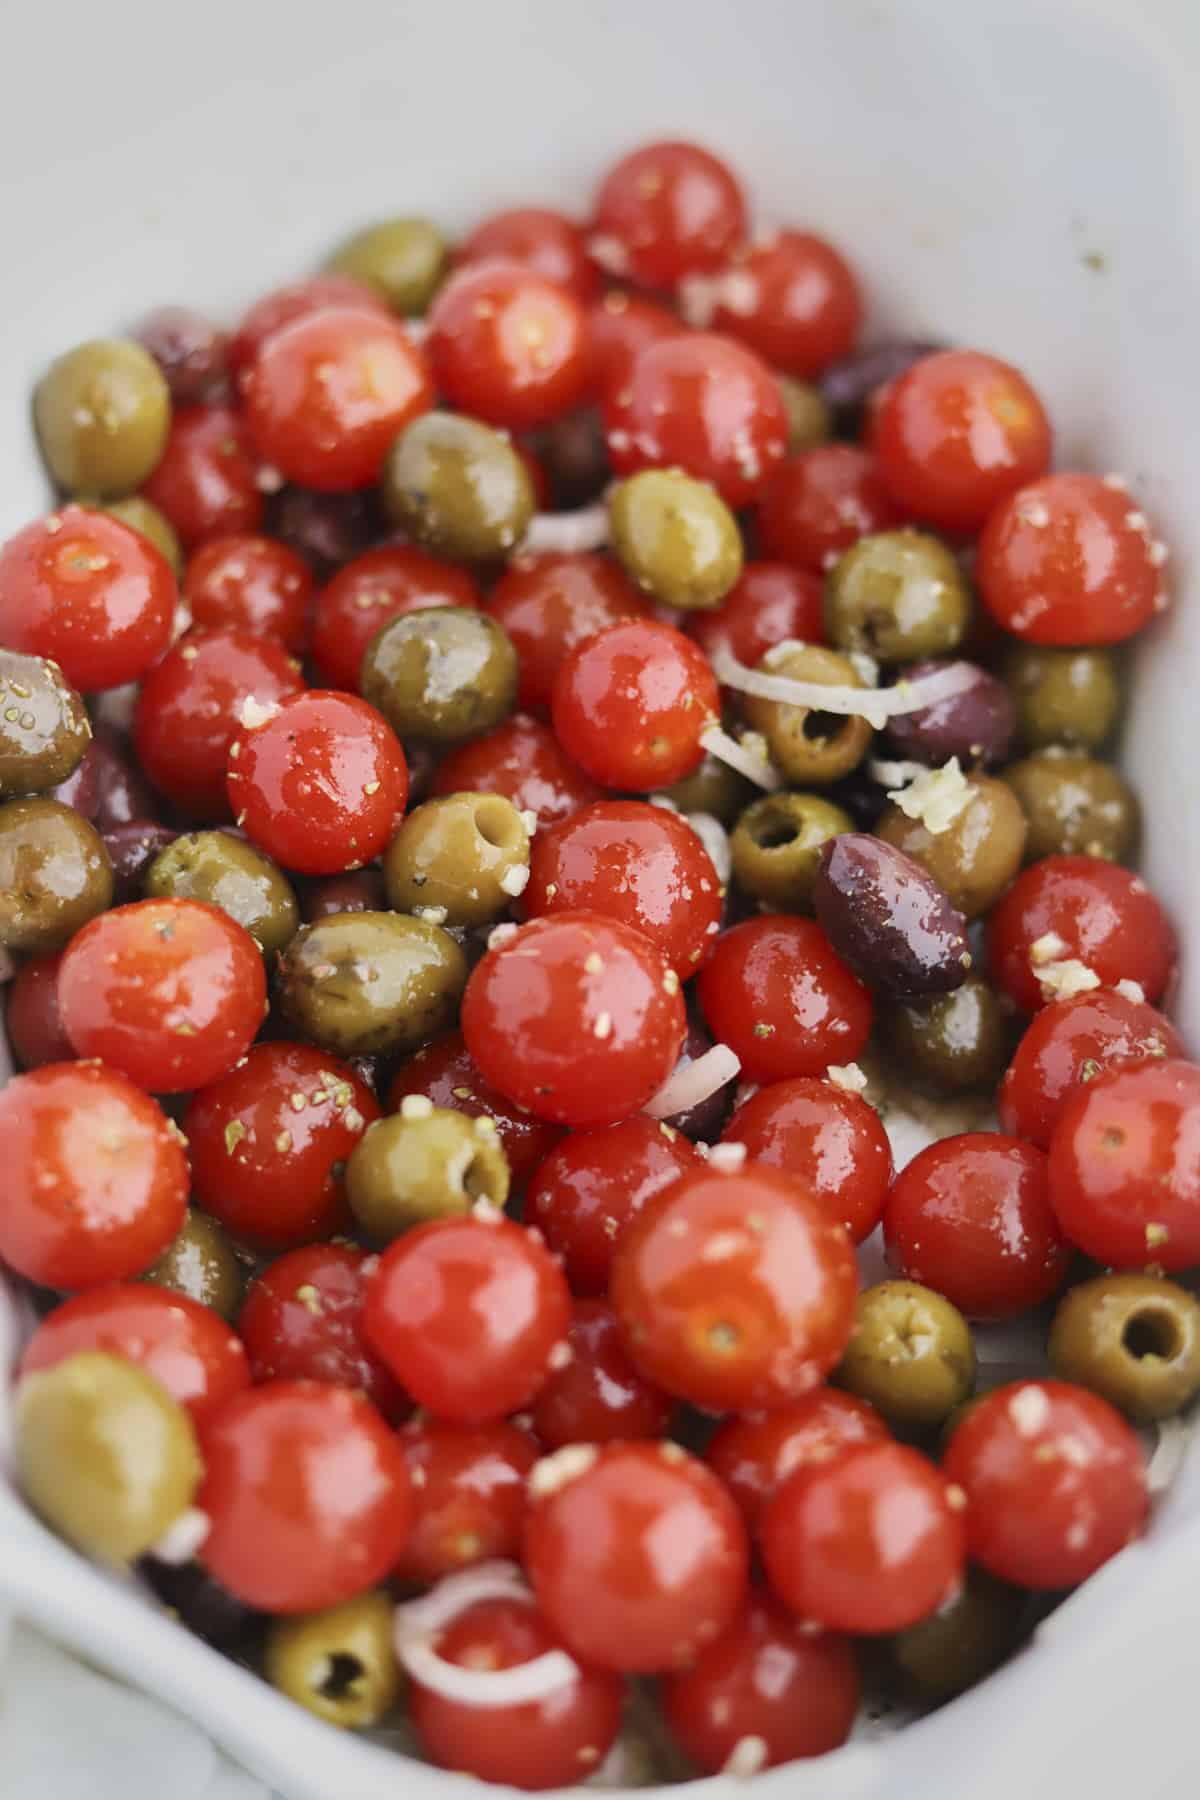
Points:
(419, 1621)
(691, 1082)
(726, 749)
(181, 1540)
(895, 774)
(1168, 1456)
(873, 704)
(584, 529)
(715, 838)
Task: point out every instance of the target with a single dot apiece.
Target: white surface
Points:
(968, 156)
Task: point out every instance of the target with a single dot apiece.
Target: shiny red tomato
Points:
(794, 299)
(620, 327)
(777, 993)
(631, 705)
(824, 1136)
(667, 210)
(753, 1454)
(599, 1395)
(549, 603)
(468, 1485)
(206, 480)
(822, 501)
(247, 582)
(546, 242)
(523, 760)
(1078, 909)
(283, 305)
(368, 593)
(445, 1073)
(302, 1320)
(508, 346)
(769, 603)
(31, 1017)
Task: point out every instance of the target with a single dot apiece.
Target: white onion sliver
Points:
(691, 1082)
(1169, 1452)
(872, 704)
(181, 1540)
(718, 743)
(895, 774)
(584, 529)
(497, 1580)
(484, 1688)
(715, 838)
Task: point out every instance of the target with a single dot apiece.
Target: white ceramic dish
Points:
(1019, 174)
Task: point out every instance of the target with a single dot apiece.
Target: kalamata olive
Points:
(889, 919)
(847, 385)
(81, 789)
(705, 1120)
(325, 529)
(859, 794)
(360, 890)
(574, 455)
(131, 849)
(202, 1604)
(107, 787)
(976, 724)
(188, 348)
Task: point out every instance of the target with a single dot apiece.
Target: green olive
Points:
(424, 1162)
(1064, 696)
(229, 873)
(142, 517)
(444, 674)
(806, 745)
(101, 414)
(777, 844)
(1074, 806)
(960, 1643)
(203, 1264)
(458, 487)
(54, 874)
(977, 854)
(404, 260)
(339, 1664)
(104, 1454)
(712, 787)
(953, 1043)
(899, 596)
(910, 1354)
(458, 860)
(675, 537)
(366, 983)
(809, 420)
(1135, 1339)
(44, 726)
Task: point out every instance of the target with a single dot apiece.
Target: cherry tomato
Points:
(776, 992)
(590, 1186)
(549, 1743)
(1078, 909)
(89, 593)
(703, 403)
(320, 783)
(769, 603)
(469, 1315)
(1068, 1044)
(468, 1486)
(636, 1553)
(307, 1496)
(187, 1347)
(282, 306)
(576, 1017)
(445, 1073)
(268, 1142)
(523, 760)
(545, 242)
(250, 583)
(327, 395)
(825, 1137)
(302, 1320)
(368, 593)
(206, 479)
(956, 435)
(620, 326)
(599, 1395)
(1054, 1481)
(971, 1217)
(870, 1541)
(822, 501)
(170, 992)
(31, 1018)
(1071, 560)
(190, 709)
(734, 1289)
(549, 603)
(767, 1681)
(794, 299)
(756, 1452)
(667, 210)
(507, 345)
(631, 705)
(1125, 1166)
(95, 1179)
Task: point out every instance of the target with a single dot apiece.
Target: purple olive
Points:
(189, 349)
(976, 724)
(107, 787)
(131, 849)
(889, 919)
(573, 452)
(327, 530)
(847, 386)
(360, 890)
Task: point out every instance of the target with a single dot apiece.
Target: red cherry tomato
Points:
(794, 299)
(620, 326)
(508, 346)
(307, 1496)
(631, 704)
(282, 306)
(776, 992)
(187, 1347)
(755, 1453)
(170, 992)
(956, 435)
(320, 784)
(327, 395)
(468, 1314)
(825, 1137)
(206, 479)
(636, 1553)
(734, 1290)
(190, 711)
(302, 1320)
(767, 1681)
(871, 1541)
(268, 1141)
(31, 1018)
(95, 1180)
(1068, 1044)
(550, 1743)
(1054, 1481)
(545, 242)
(1125, 1166)
(971, 1217)
(1079, 909)
(599, 1395)
(445, 1073)
(769, 603)
(368, 593)
(87, 592)
(576, 1017)
(523, 760)
(702, 403)
(667, 210)
(822, 501)
(1070, 560)
(250, 583)
(549, 603)
(589, 1187)
(468, 1486)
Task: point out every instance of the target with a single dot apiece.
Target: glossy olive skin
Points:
(675, 538)
(897, 595)
(458, 488)
(419, 1165)
(888, 918)
(44, 726)
(454, 855)
(1133, 1339)
(976, 724)
(960, 1643)
(713, 787)
(952, 1043)
(131, 850)
(364, 983)
(777, 844)
(404, 260)
(201, 1604)
(445, 674)
(141, 516)
(341, 1664)
(54, 874)
(809, 416)
(229, 873)
(910, 1354)
(104, 1454)
(1064, 696)
(101, 413)
(977, 855)
(359, 890)
(1074, 805)
(202, 1264)
(809, 748)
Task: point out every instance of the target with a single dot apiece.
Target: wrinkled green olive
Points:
(910, 1354)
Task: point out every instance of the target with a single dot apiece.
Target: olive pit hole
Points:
(342, 1675)
(493, 822)
(774, 831)
(822, 727)
(476, 1181)
(1152, 1332)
